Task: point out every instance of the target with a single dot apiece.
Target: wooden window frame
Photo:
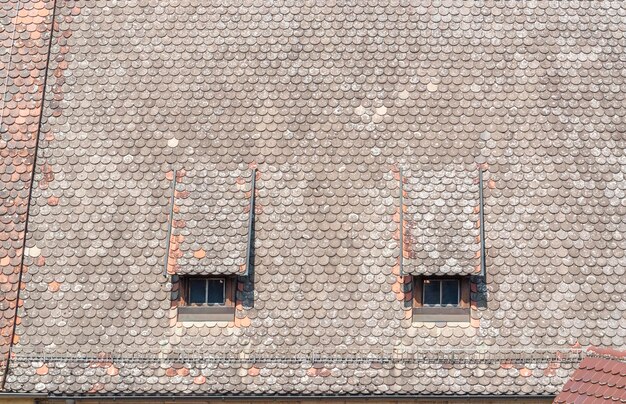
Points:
(208, 312)
(459, 313)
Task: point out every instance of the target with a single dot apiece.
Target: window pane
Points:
(450, 292)
(216, 291)
(431, 292)
(197, 291)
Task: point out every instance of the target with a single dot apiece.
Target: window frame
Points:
(441, 313)
(207, 279)
(204, 311)
(441, 281)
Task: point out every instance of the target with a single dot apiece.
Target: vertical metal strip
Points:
(169, 225)
(401, 226)
(251, 222)
(483, 258)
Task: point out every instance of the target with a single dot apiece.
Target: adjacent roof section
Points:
(210, 221)
(598, 379)
(441, 220)
(24, 40)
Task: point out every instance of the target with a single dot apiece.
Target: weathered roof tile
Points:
(211, 220)
(24, 34)
(327, 100)
(441, 220)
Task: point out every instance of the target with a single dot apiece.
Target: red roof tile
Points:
(599, 379)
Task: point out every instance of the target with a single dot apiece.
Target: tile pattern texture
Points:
(329, 101)
(441, 222)
(25, 27)
(598, 379)
(210, 221)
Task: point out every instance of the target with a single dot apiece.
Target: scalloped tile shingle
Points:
(442, 233)
(211, 219)
(327, 99)
(24, 33)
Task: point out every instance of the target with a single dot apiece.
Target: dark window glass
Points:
(431, 292)
(450, 292)
(215, 293)
(441, 292)
(197, 291)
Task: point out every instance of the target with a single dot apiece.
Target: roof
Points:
(24, 36)
(330, 103)
(598, 379)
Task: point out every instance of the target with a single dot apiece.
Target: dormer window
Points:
(210, 247)
(207, 298)
(439, 298)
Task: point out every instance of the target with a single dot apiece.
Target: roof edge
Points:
(178, 397)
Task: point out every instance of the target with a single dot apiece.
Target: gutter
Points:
(182, 397)
(22, 395)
